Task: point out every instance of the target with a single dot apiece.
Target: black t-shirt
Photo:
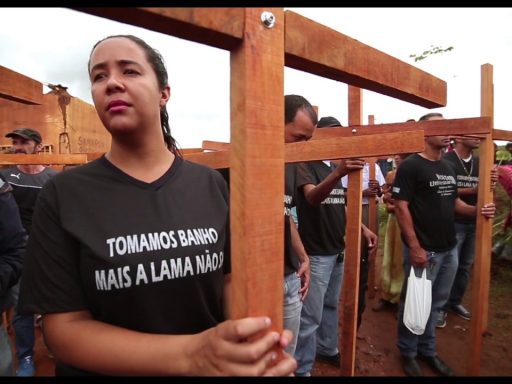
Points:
(430, 188)
(150, 257)
(291, 260)
(12, 244)
(321, 228)
(467, 177)
(26, 188)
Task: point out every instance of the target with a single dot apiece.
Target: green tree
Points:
(429, 52)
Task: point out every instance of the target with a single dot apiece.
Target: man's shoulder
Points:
(50, 171)
(7, 171)
(4, 185)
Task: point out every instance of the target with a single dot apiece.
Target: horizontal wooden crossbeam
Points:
(17, 87)
(359, 146)
(217, 27)
(217, 159)
(305, 49)
(469, 126)
(501, 134)
(215, 145)
(315, 48)
(333, 148)
(43, 158)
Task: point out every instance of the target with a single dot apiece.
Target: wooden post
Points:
(483, 244)
(257, 171)
(350, 288)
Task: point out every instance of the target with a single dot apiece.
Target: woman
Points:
(392, 272)
(128, 261)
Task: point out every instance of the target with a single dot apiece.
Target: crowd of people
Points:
(86, 243)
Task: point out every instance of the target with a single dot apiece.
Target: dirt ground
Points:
(377, 354)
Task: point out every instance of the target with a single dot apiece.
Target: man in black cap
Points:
(26, 181)
(27, 134)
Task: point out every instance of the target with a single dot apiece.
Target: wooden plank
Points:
(257, 177)
(217, 159)
(217, 27)
(190, 150)
(305, 48)
(352, 264)
(487, 153)
(359, 146)
(473, 125)
(317, 49)
(20, 88)
(483, 244)
(42, 158)
(351, 269)
(215, 145)
(335, 148)
(501, 134)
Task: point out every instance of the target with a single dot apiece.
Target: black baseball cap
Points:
(328, 121)
(26, 133)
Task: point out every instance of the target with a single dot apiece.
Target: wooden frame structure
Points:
(260, 46)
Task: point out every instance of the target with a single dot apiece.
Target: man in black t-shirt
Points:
(466, 166)
(321, 216)
(12, 247)
(27, 181)
(425, 193)
(300, 122)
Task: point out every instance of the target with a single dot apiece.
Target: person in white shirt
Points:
(372, 188)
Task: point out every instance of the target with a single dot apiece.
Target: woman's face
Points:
(124, 87)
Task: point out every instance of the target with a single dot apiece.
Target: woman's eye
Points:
(98, 76)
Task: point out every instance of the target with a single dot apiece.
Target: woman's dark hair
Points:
(157, 63)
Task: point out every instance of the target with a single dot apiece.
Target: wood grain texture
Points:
(215, 145)
(19, 88)
(216, 27)
(257, 171)
(216, 160)
(352, 264)
(483, 238)
(334, 148)
(359, 146)
(501, 134)
(42, 158)
(314, 48)
(469, 126)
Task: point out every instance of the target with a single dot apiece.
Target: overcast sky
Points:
(52, 45)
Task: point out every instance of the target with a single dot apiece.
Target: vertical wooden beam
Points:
(257, 171)
(372, 224)
(482, 265)
(350, 289)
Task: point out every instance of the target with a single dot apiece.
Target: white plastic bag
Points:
(418, 301)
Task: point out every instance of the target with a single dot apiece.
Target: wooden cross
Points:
(260, 47)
